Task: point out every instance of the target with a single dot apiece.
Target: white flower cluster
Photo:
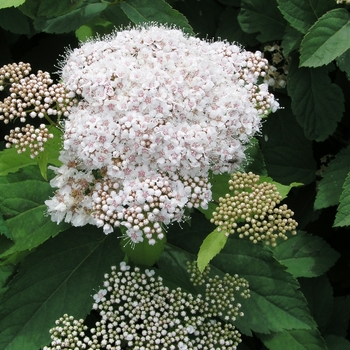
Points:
(136, 310)
(158, 110)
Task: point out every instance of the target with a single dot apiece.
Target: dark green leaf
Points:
(49, 8)
(58, 278)
(22, 197)
(145, 11)
(303, 14)
(115, 15)
(291, 40)
(5, 273)
(319, 295)
(305, 255)
(317, 103)
(343, 213)
(299, 339)
(331, 186)
(14, 21)
(327, 39)
(343, 62)
(334, 342)
(262, 17)
(287, 153)
(70, 21)
(30, 8)
(255, 162)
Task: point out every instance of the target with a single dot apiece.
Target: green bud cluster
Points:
(137, 311)
(251, 210)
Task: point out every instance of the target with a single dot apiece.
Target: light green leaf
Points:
(305, 255)
(93, 28)
(282, 189)
(262, 17)
(211, 246)
(11, 161)
(317, 103)
(59, 277)
(342, 217)
(331, 186)
(303, 14)
(14, 21)
(288, 154)
(273, 290)
(299, 339)
(144, 11)
(22, 197)
(343, 62)
(327, 39)
(70, 21)
(10, 3)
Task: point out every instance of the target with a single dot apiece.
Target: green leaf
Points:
(22, 197)
(319, 295)
(10, 3)
(14, 21)
(343, 62)
(305, 255)
(93, 28)
(30, 8)
(273, 290)
(211, 246)
(317, 103)
(331, 186)
(303, 14)
(282, 189)
(49, 8)
(342, 217)
(11, 161)
(335, 342)
(299, 339)
(114, 14)
(143, 253)
(70, 21)
(144, 11)
(59, 277)
(255, 162)
(288, 154)
(262, 17)
(5, 274)
(327, 39)
(291, 40)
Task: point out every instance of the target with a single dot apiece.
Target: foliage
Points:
(299, 289)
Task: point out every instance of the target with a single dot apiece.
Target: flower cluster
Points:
(157, 111)
(34, 96)
(137, 311)
(276, 74)
(251, 210)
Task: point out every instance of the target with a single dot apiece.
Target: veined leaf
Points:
(303, 14)
(211, 246)
(331, 186)
(22, 197)
(49, 8)
(298, 339)
(317, 103)
(343, 213)
(143, 11)
(262, 17)
(327, 39)
(305, 255)
(11, 3)
(14, 21)
(59, 277)
(70, 21)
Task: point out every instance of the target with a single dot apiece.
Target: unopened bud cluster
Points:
(276, 74)
(251, 210)
(137, 311)
(31, 96)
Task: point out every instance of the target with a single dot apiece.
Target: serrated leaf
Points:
(273, 290)
(303, 14)
(342, 217)
(211, 246)
(14, 21)
(70, 21)
(11, 161)
(299, 339)
(11, 3)
(49, 8)
(317, 103)
(343, 62)
(22, 197)
(305, 255)
(331, 186)
(327, 39)
(291, 40)
(144, 11)
(288, 154)
(262, 17)
(59, 277)
(319, 295)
